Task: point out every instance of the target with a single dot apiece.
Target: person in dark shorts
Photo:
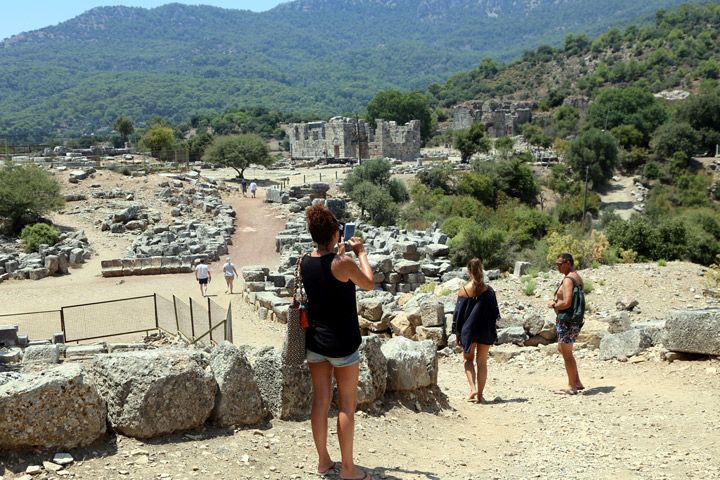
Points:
(474, 322)
(243, 184)
(567, 332)
(333, 337)
(203, 276)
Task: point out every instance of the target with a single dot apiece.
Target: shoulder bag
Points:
(293, 352)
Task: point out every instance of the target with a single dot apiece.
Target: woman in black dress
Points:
(474, 325)
(333, 337)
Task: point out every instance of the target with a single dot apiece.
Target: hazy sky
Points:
(18, 16)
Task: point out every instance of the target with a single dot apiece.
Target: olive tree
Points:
(238, 152)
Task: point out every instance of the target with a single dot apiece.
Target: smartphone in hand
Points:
(349, 232)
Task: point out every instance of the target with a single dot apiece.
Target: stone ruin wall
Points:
(340, 138)
(499, 119)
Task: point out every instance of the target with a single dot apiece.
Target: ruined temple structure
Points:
(343, 138)
(499, 118)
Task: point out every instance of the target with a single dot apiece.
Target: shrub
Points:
(587, 286)
(428, 287)
(558, 243)
(628, 256)
(528, 285)
(488, 243)
(662, 263)
(38, 234)
(26, 192)
(712, 276)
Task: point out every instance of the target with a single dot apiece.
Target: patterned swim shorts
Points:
(567, 332)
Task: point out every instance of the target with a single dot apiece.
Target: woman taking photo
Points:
(333, 337)
(474, 325)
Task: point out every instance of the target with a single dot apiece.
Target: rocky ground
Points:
(644, 418)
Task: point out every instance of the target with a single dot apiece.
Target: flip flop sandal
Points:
(565, 391)
(366, 476)
(331, 469)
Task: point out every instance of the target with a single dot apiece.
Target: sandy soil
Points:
(643, 419)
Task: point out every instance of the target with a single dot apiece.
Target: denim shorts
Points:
(351, 359)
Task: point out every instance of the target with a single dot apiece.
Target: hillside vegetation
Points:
(308, 57)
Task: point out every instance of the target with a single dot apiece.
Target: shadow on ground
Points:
(598, 390)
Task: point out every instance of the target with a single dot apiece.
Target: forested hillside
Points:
(313, 57)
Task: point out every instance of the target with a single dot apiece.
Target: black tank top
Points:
(334, 330)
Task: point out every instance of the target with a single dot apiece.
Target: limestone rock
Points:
(514, 335)
(42, 354)
(411, 365)
(373, 372)
(625, 344)
(154, 392)
(693, 331)
(425, 309)
(238, 400)
(286, 390)
(55, 408)
(371, 308)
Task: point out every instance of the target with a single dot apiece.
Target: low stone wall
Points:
(155, 392)
(124, 267)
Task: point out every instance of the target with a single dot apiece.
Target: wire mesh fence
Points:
(106, 319)
(35, 324)
(204, 322)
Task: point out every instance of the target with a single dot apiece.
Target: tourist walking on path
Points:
(243, 184)
(203, 276)
(568, 323)
(230, 274)
(474, 323)
(253, 188)
(333, 337)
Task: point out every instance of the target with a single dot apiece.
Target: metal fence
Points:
(197, 322)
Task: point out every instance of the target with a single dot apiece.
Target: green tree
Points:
(627, 136)
(676, 137)
(401, 108)
(158, 138)
(634, 106)
(238, 152)
(438, 176)
(471, 141)
(124, 126)
(702, 112)
(478, 186)
(595, 151)
(566, 120)
(27, 192)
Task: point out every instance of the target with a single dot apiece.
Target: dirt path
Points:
(618, 197)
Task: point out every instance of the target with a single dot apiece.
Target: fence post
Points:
(303, 178)
(157, 320)
(209, 320)
(192, 321)
(177, 320)
(321, 176)
(228, 324)
(62, 322)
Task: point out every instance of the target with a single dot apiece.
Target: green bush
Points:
(428, 287)
(488, 243)
(587, 286)
(26, 192)
(662, 263)
(528, 285)
(38, 234)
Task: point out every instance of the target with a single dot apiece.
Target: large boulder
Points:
(238, 400)
(155, 392)
(373, 372)
(411, 365)
(516, 335)
(624, 345)
(285, 389)
(52, 409)
(371, 308)
(425, 309)
(693, 331)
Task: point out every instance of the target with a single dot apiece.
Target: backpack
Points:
(576, 313)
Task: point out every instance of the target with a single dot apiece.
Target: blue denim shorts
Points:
(351, 359)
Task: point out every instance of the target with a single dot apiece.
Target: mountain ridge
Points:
(312, 57)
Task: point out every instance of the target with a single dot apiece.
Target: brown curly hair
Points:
(321, 223)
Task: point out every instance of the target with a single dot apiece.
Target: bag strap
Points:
(298, 285)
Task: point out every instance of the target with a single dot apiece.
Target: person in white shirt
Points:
(230, 274)
(203, 276)
(253, 188)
